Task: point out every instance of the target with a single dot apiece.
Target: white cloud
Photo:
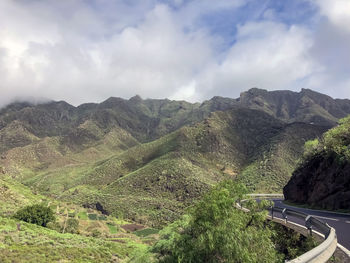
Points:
(337, 11)
(152, 59)
(331, 49)
(266, 55)
(83, 52)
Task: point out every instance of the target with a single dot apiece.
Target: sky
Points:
(89, 50)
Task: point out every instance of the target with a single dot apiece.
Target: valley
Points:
(145, 162)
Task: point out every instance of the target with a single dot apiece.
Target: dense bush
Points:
(336, 142)
(35, 214)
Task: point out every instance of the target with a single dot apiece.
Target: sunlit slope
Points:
(155, 181)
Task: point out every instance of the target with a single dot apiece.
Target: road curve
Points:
(340, 222)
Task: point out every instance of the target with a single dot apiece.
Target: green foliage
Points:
(35, 214)
(146, 232)
(102, 218)
(141, 254)
(311, 147)
(153, 182)
(54, 226)
(112, 228)
(334, 141)
(72, 226)
(41, 245)
(92, 216)
(338, 139)
(291, 243)
(83, 215)
(215, 231)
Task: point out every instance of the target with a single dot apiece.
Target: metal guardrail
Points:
(319, 254)
(322, 252)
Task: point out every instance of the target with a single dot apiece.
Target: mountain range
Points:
(149, 159)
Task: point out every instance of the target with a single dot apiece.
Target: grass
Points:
(92, 216)
(112, 228)
(152, 183)
(37, 244)
(146, 232)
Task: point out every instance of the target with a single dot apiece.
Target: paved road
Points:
(341, 222)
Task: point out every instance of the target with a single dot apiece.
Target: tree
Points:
(216, 231)
(35, 214)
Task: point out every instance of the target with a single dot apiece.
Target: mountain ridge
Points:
(150, 159)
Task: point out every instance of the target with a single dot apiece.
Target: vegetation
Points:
(214, 230)
(37, 244)
(335, 141)
(322, 179)
(35, 214)
(147, 161)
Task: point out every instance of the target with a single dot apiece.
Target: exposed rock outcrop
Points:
(323, 181)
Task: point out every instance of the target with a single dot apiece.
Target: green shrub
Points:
(102, 218)
(92, 216)
(36, 214)
(72, 226)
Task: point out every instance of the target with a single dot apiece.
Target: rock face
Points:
(323, 181)
(305, 106)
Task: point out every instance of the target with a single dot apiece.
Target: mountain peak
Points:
(136, 99)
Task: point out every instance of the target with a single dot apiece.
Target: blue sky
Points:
(89, 50)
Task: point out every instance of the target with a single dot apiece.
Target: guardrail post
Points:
(284, 214)
(308, 224)
(272, 212)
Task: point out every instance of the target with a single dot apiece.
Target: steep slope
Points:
(149, 159)
(306, 106)
(14, 195)
(157, 180)
(271, 166)
(323, 179)
(144, 119)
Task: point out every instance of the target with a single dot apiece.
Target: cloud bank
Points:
(89, 50)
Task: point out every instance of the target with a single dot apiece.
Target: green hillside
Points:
(153, 182)
(147, 160)
(122, 169)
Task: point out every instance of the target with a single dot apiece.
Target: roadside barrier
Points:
(319, 254)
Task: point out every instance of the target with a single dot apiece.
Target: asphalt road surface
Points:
(340, 222)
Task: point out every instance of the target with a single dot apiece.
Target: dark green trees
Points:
(35, 214)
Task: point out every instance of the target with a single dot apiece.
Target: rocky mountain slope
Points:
(155, 181)
(149, 159)
(305, 106)
(323, 179)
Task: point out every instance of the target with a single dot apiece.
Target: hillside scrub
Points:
(335, 141)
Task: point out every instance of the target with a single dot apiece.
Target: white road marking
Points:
(327, 218)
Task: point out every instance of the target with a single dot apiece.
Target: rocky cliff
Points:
(322, 182)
